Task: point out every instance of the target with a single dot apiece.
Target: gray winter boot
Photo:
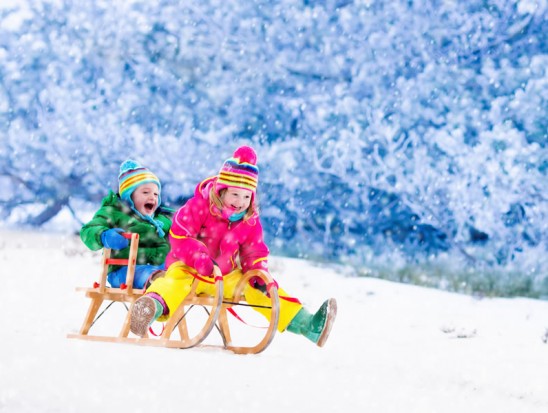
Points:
(143, 313)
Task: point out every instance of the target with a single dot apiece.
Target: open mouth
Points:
(149, 207)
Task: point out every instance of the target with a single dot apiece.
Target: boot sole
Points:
(331, 315)
(142, 314)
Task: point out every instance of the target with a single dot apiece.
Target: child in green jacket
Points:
(135, 208)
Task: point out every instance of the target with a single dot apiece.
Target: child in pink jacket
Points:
(220, 226)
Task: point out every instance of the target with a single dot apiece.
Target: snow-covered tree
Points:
(410, 126)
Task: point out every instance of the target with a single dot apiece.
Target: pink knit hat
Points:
(240, 171)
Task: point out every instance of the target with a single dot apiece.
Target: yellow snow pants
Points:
(177, 282)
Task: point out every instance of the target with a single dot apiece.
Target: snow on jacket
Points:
(115, 213)
(198, 227)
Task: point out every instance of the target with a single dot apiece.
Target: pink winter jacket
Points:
(198, 227)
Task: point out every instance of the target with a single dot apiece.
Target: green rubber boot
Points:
(315, 327)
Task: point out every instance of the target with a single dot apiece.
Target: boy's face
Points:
(236, 199)
(145, 198)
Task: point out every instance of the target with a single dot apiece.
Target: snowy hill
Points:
(394, 348)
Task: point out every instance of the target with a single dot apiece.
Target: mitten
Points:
(259, 284)
(204, 264)
(111, 238)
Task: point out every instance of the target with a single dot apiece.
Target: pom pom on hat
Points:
(132, 175)
(240, 171)
(245, 154)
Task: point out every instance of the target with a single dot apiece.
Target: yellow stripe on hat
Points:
(228, 178)
(237, 184)
(145, 176)
(237, 175)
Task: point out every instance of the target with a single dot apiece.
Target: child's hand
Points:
(204, 265)
(111, 238)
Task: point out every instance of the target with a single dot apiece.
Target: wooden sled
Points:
(180, 330)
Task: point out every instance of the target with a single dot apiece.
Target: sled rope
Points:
(290, 299)
(161, 332)
(235, 314)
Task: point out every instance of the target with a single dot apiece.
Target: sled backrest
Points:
(100, 292)
(130, 262)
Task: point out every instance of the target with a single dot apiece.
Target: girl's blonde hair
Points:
(216, 200)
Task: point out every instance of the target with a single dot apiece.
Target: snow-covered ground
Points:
(394, 348)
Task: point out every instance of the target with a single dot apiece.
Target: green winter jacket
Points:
(115, 213)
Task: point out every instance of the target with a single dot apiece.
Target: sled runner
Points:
(191, 323)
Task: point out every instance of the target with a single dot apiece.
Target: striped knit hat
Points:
(240, 171)
(132, 175)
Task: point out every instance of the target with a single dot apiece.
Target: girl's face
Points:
(145, 198)
(236, 199)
